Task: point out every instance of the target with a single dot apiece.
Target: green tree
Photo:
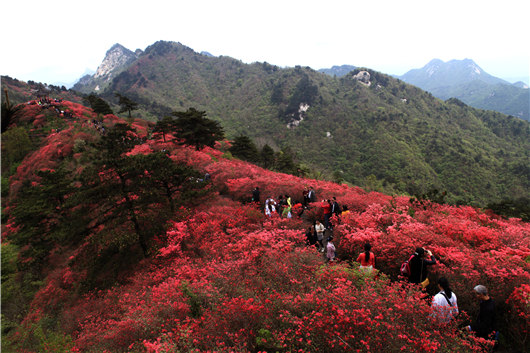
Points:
(15, 145)
(285, 162)
(267, 157)
(164, 127)
(126, 201)
(8, 112)
(337, 177)
(195, 129)
(127, 104)
(40, 213)
(98, 105)
(243, 148)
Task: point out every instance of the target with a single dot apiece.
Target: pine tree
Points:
(243, 148)
(164, 127)
(193, 128)
(98, 105)
(127, 104)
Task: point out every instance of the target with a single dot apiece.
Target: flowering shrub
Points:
(226, 278)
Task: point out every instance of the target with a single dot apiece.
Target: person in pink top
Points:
(367, 259)
(331, 250)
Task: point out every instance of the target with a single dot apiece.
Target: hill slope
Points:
(221, 276)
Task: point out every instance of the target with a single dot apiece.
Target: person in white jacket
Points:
(444, 304)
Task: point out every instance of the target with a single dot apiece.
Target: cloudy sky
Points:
(56, 41)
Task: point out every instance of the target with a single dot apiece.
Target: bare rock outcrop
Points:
(115, 57)
(363, 77)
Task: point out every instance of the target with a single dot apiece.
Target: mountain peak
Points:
(115, 57)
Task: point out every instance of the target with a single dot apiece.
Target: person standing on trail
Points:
(418, 265)
(367, 259)
(311, 195)
(326, 205)
(330, 250)
(319, 229)
(311, 239)
(444, 304)
(486, 321)
(305, 195)
(255, 195)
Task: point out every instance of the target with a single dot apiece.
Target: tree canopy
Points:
(98, 104)
(127, 104)
(195, 129)
(243, 148)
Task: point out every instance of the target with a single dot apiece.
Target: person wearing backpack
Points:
(444, 304)
(418, 266)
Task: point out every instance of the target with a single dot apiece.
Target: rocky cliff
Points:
(117, 57)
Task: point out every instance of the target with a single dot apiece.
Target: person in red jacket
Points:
(367, 258)
(326, 205)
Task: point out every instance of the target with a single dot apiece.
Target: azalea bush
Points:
(221, 276)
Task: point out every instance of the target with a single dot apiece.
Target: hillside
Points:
(407, 139)
(111, 243)
(465, 80)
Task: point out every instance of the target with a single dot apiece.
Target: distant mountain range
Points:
(466, 81)
(338, 71)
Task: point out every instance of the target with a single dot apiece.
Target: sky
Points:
(57, 41)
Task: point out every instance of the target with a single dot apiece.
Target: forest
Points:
(112, 241)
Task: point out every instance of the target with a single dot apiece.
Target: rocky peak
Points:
(363, 77)
(115, 57)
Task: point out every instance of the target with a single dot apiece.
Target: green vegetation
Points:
(410, 141)
(193, 128)
(99, 105)
(244, 149)
(127, 104)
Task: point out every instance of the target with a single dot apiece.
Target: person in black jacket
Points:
(418, 265)
(255, 195)
(311, 195)
(486, 322)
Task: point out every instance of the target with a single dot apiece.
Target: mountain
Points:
(116, 57)
(454, 72)
(520, 84)
(465, 80)
(370, 128)
(338, 71)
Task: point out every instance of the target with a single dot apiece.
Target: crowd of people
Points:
(98, 125)
(444, 303)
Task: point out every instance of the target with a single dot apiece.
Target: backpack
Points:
(405, 267)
